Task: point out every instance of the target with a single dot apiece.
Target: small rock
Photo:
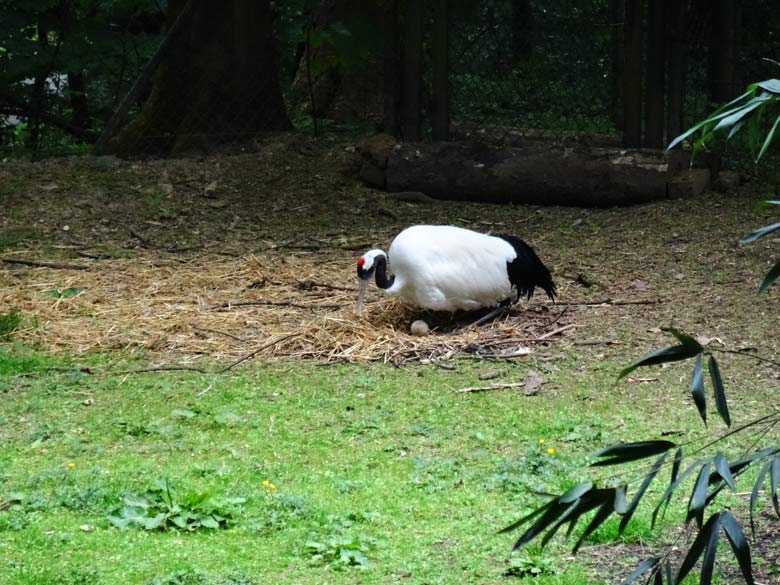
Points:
(533, 381)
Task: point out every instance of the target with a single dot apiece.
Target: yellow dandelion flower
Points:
(71, 465)
(272, 486)
(550, 450)
(541, 441)
(265, 482)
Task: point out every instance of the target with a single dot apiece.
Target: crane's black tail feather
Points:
(527, 271)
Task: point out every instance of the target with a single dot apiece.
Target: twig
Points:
(555, 332)
(258, 350)
(144, 242)
(500, 386)
(45, 264)
(610, 302)
(228, 305)
(159, 369)
(225, 333)
(596, 342)
(307, 284)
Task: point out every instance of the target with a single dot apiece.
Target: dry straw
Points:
(219, 307)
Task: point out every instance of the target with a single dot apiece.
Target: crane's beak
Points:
(362, 286)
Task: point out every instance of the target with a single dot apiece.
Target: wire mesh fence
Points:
(550, 68)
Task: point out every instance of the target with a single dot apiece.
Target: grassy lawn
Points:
(300, 471)
(393, 463)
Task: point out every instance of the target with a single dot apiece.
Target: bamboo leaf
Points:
(575, 493)
(739, 545)
(749, 106)
(768, 139)
(774, 480)
(686, 340)
(754, 494)
(528, 517)
(620, 503)
(720, 393)
(632, 452)
(699, 495)
(724, 471)
(759, 233)
(672, 353)
(670, 490)
(708, 562)
(771, 85)
(676, 464)
(640, 568)
(544, 521)
(697, 547)
(770, 278)
(604, 512)
(641, 492)
(697, 389)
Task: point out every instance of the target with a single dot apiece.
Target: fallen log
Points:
(532, 173)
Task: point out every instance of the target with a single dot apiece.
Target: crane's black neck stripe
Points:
(527, 271)
(382, 280)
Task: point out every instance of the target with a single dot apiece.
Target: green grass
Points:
(348, 474)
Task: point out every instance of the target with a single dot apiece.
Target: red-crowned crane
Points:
(445, 268)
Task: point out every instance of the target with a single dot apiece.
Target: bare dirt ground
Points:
(206, 260)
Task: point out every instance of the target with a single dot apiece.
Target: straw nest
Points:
(222, 306)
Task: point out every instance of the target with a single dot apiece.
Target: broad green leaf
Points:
(672, 353)
(770, 278)
(640, 568)
(719, 391)
(697, 389)
(182, 413)
(698, 546)
(209, 522)
(739, 545)
(154, 522)
(699, 495)
(759, 233)
(632, 452)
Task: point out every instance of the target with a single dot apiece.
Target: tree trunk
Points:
(677, 65)
(632, 74)
(535, 173)
(217, 83)
(727, 22)
(411, 101)
(522, 25)
(441, 91)
(617, 16)
(391, 81)
(77, 92)
(656, 75)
